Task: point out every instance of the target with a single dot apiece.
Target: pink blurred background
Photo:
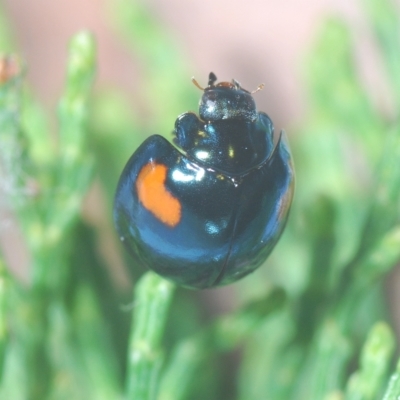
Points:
(231, 38)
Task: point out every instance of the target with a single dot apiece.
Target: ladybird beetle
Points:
(209, 210)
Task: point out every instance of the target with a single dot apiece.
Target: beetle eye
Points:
(212, 78)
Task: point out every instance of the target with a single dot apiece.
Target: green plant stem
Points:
(3, 314)
(384, 17)
(333, 345)
(152, 298)
(323, 369)
(376, 354)
(384, 210)
(223, 335)
(393, 388)
(73, 165)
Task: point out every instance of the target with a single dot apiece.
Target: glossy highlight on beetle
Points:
(208, 209)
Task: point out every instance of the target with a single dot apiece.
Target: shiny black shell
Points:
(209, 210)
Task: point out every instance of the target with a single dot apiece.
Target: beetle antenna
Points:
(196, 83)
(260, 87)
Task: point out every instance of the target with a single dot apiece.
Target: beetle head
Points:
(226, 100)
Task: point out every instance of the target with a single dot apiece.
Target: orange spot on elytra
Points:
(150, 186)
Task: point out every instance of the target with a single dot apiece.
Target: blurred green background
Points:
(317, 321)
